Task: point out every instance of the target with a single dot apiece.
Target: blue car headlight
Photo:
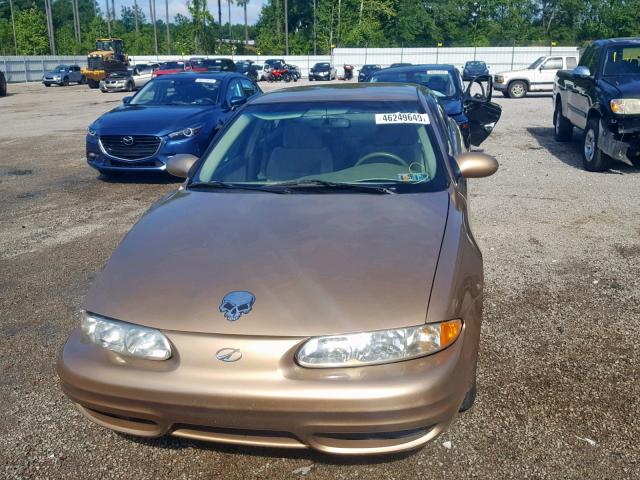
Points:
(185, 133)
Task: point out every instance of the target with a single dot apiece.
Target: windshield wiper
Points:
(233, 186)
(312, 183)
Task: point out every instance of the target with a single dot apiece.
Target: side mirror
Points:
(180, 164)
(126, 100)
(476, 164)
(235, 102)
(582, 72)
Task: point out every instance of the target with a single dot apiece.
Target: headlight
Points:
(499, 79)
(92, 131)
(382, 346)
(126, 338)
(56, 77)
(625, 106)
(185, 133)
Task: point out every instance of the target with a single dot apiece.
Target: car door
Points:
(583, 89)
(142, 76)
(249, 88)
(547, 73)
(483, 114)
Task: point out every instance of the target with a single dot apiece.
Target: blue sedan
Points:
(474, 119)
(172, 114)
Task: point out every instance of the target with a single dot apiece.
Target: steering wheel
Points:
(391, 156)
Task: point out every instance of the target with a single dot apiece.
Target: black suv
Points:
(601, 96)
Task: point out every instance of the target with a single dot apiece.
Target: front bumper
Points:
(99, 159)
(51, 81)
(502, 87)
(620, 139)
(319, 76)
(113, 88)
(266, 399)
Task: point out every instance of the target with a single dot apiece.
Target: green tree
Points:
(31, 32)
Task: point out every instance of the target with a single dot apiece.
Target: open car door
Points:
(483, 114)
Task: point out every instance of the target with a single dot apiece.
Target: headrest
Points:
(390, 135)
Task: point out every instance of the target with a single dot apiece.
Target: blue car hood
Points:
(453, 106)
(156, 120)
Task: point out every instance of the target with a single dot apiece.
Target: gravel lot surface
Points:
(559, 364)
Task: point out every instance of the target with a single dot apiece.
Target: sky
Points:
(180, 6)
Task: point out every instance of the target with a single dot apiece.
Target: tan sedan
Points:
(313, 284)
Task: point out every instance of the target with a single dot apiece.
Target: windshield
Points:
(536, 64)
(322, 66)
(475, 64)
(371, 67)
(178, 91)
(439, 81)
(61, 68)
(104, 46)
(119, 74)
(354, 143)
(171, 65)
(622, 60)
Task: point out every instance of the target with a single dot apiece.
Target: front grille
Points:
(95, 63)
(130, 147)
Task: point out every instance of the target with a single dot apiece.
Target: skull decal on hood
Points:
(236, 304)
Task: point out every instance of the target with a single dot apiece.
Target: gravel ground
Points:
(559, 361)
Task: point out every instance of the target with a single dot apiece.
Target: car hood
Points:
(51, 74)
(147, 120)
(317, 263)
(627, 85)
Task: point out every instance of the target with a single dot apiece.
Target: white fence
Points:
(31, 68)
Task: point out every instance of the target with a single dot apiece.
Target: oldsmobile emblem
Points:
(235, 304)
(128, 140)
(229, 355)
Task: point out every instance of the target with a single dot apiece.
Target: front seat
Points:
(302, 154)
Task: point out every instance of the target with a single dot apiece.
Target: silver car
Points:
(142, 74)
(118, 82)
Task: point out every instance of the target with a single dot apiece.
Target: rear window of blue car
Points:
(440, 81)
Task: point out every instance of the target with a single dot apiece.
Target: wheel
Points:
(82, 81)
(593, 159)
(517, 89)
(562, 128)
(130, 87)
(3, 88)
(93, 83)
(311, 79)
(470, 398)
(65, 82)
(287, 78)
(47, 84)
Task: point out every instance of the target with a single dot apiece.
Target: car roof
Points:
(611, 41)
(412, 68)
(341, 93)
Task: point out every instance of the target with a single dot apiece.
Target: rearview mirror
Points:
(180, 164)
(126, 100)
(476, 164)
(581, 72)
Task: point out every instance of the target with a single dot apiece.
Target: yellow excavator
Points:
(107, 58)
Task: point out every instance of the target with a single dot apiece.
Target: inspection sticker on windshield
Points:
(382, 118)
(412, 177)
(437, 72)
(206, 80)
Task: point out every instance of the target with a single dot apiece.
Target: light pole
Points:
(13, 22)
(286, 27)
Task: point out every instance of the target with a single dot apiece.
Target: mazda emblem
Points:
(128, 140)
(229, 355)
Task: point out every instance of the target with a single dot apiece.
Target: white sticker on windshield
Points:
(206, 80)
(437, 72)
(382, 118)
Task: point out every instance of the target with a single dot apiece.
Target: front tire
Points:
(517, 89)
(562, 128)
(470, 398)
(593, 159)
(93, 83)
(65, 82)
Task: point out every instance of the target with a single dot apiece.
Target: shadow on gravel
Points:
(570, 153)
(139, 177)
(174, 443)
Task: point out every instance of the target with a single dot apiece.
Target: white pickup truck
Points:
(537, 77)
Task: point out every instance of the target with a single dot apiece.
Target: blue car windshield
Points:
(61, 68)
(440, 82)
(178, 91)
(358, 142)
